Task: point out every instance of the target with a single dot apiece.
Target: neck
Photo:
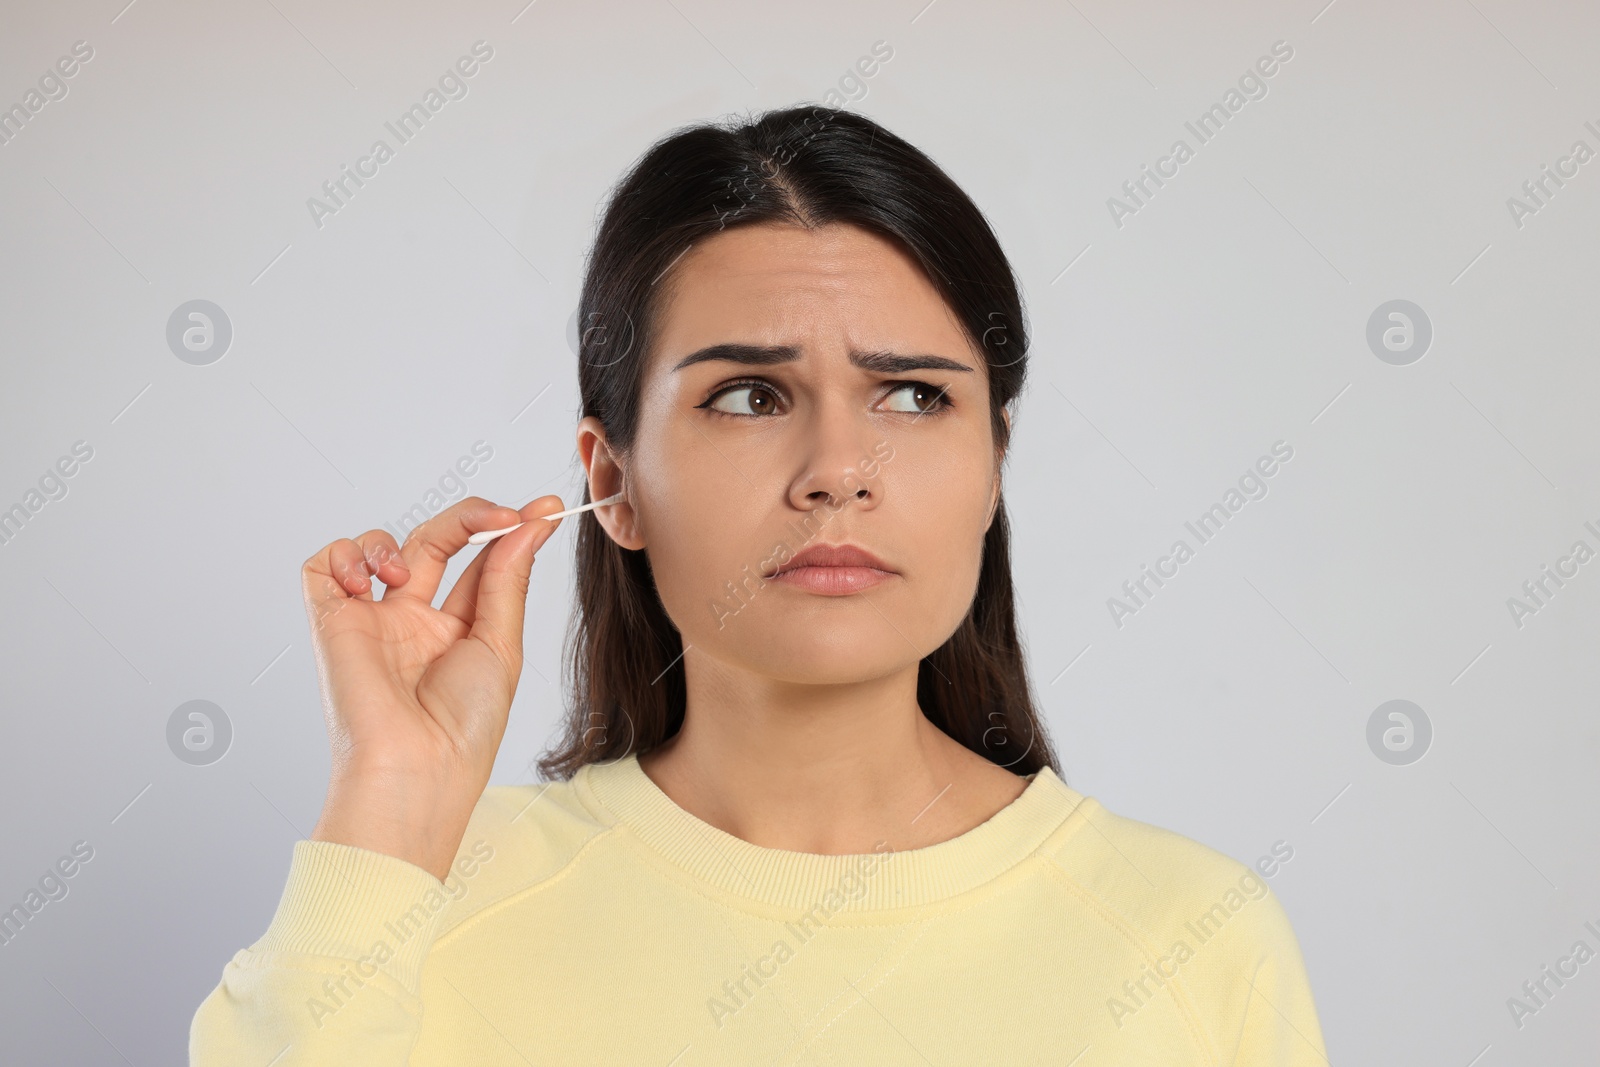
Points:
(828, 769)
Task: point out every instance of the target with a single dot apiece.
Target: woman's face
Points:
(857, 414)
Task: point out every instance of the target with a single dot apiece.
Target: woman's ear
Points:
(620, 521)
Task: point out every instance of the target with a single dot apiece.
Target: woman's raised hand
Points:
(416, 698)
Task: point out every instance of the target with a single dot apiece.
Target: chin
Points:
(787, 665)
(803, 648)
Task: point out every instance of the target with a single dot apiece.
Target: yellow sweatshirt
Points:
(596, 922)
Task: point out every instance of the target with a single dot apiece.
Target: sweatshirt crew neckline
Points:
(859, 882)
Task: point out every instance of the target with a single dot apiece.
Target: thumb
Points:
(503, 586)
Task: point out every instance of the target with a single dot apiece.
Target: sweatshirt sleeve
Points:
(1280, 1027)
(336, 978)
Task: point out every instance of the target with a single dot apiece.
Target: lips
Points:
(833, 570)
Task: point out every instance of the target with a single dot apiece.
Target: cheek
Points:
(691, 556)
(700, 520)
(938, 497)
(946, 494)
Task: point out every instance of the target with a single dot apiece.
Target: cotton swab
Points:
(486, 536)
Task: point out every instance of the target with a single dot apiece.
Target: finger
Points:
(382, 558)
(348, 565)
(327, 582)
(463, 599)
(429, 546)
(503, 585)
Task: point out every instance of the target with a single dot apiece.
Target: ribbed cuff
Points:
(346, 903)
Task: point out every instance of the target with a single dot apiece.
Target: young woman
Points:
(805, 810)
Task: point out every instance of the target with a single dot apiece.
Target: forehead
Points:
(774, 283)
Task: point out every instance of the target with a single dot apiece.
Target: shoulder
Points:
(1167, 892)
(1197, 923)
(519, 838)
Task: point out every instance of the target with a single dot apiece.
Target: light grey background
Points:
(1169, 353)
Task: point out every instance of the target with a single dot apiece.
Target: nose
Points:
(836, 446)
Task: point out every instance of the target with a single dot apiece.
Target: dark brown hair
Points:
(806, 166)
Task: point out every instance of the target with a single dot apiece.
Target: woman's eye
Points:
(922, 397)
(746, 400)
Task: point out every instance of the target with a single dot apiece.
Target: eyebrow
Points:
(767, 355)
